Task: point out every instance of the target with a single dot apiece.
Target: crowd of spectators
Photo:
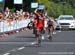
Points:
(9, 18)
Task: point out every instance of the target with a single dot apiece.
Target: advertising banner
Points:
(18, 1)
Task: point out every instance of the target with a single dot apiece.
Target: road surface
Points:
(63, 43)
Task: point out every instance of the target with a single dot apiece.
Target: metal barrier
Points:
(14, 25)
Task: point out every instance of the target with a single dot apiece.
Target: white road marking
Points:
(41, 42)
(59, 31)
(48, 53)
(12, 50)
(6, 54)
(54, 32)
(58, 43)
(20, 48)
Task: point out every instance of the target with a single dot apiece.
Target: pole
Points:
(22, 4)
(3, 4)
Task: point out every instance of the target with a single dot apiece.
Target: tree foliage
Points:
(59, 7)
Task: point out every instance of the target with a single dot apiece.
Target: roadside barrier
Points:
(14, 26)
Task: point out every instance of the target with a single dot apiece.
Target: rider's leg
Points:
(54, 29)
(35, 32)
(49, 32)
(38, 39)
(42, 34)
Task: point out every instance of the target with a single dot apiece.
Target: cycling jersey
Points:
(38, 23)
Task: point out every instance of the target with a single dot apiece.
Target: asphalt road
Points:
(63, 43)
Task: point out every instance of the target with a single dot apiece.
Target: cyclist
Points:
(51, 27)
(38, 26)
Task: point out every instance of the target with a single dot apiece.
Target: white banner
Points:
(34, 5)
(41, 7)
(18, 1)
(6, 27)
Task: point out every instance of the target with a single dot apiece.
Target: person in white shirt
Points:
(7, 12)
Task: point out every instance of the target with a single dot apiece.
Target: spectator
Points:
(1, 15)
(7, 12)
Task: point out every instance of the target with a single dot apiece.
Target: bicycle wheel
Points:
(38, 38)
